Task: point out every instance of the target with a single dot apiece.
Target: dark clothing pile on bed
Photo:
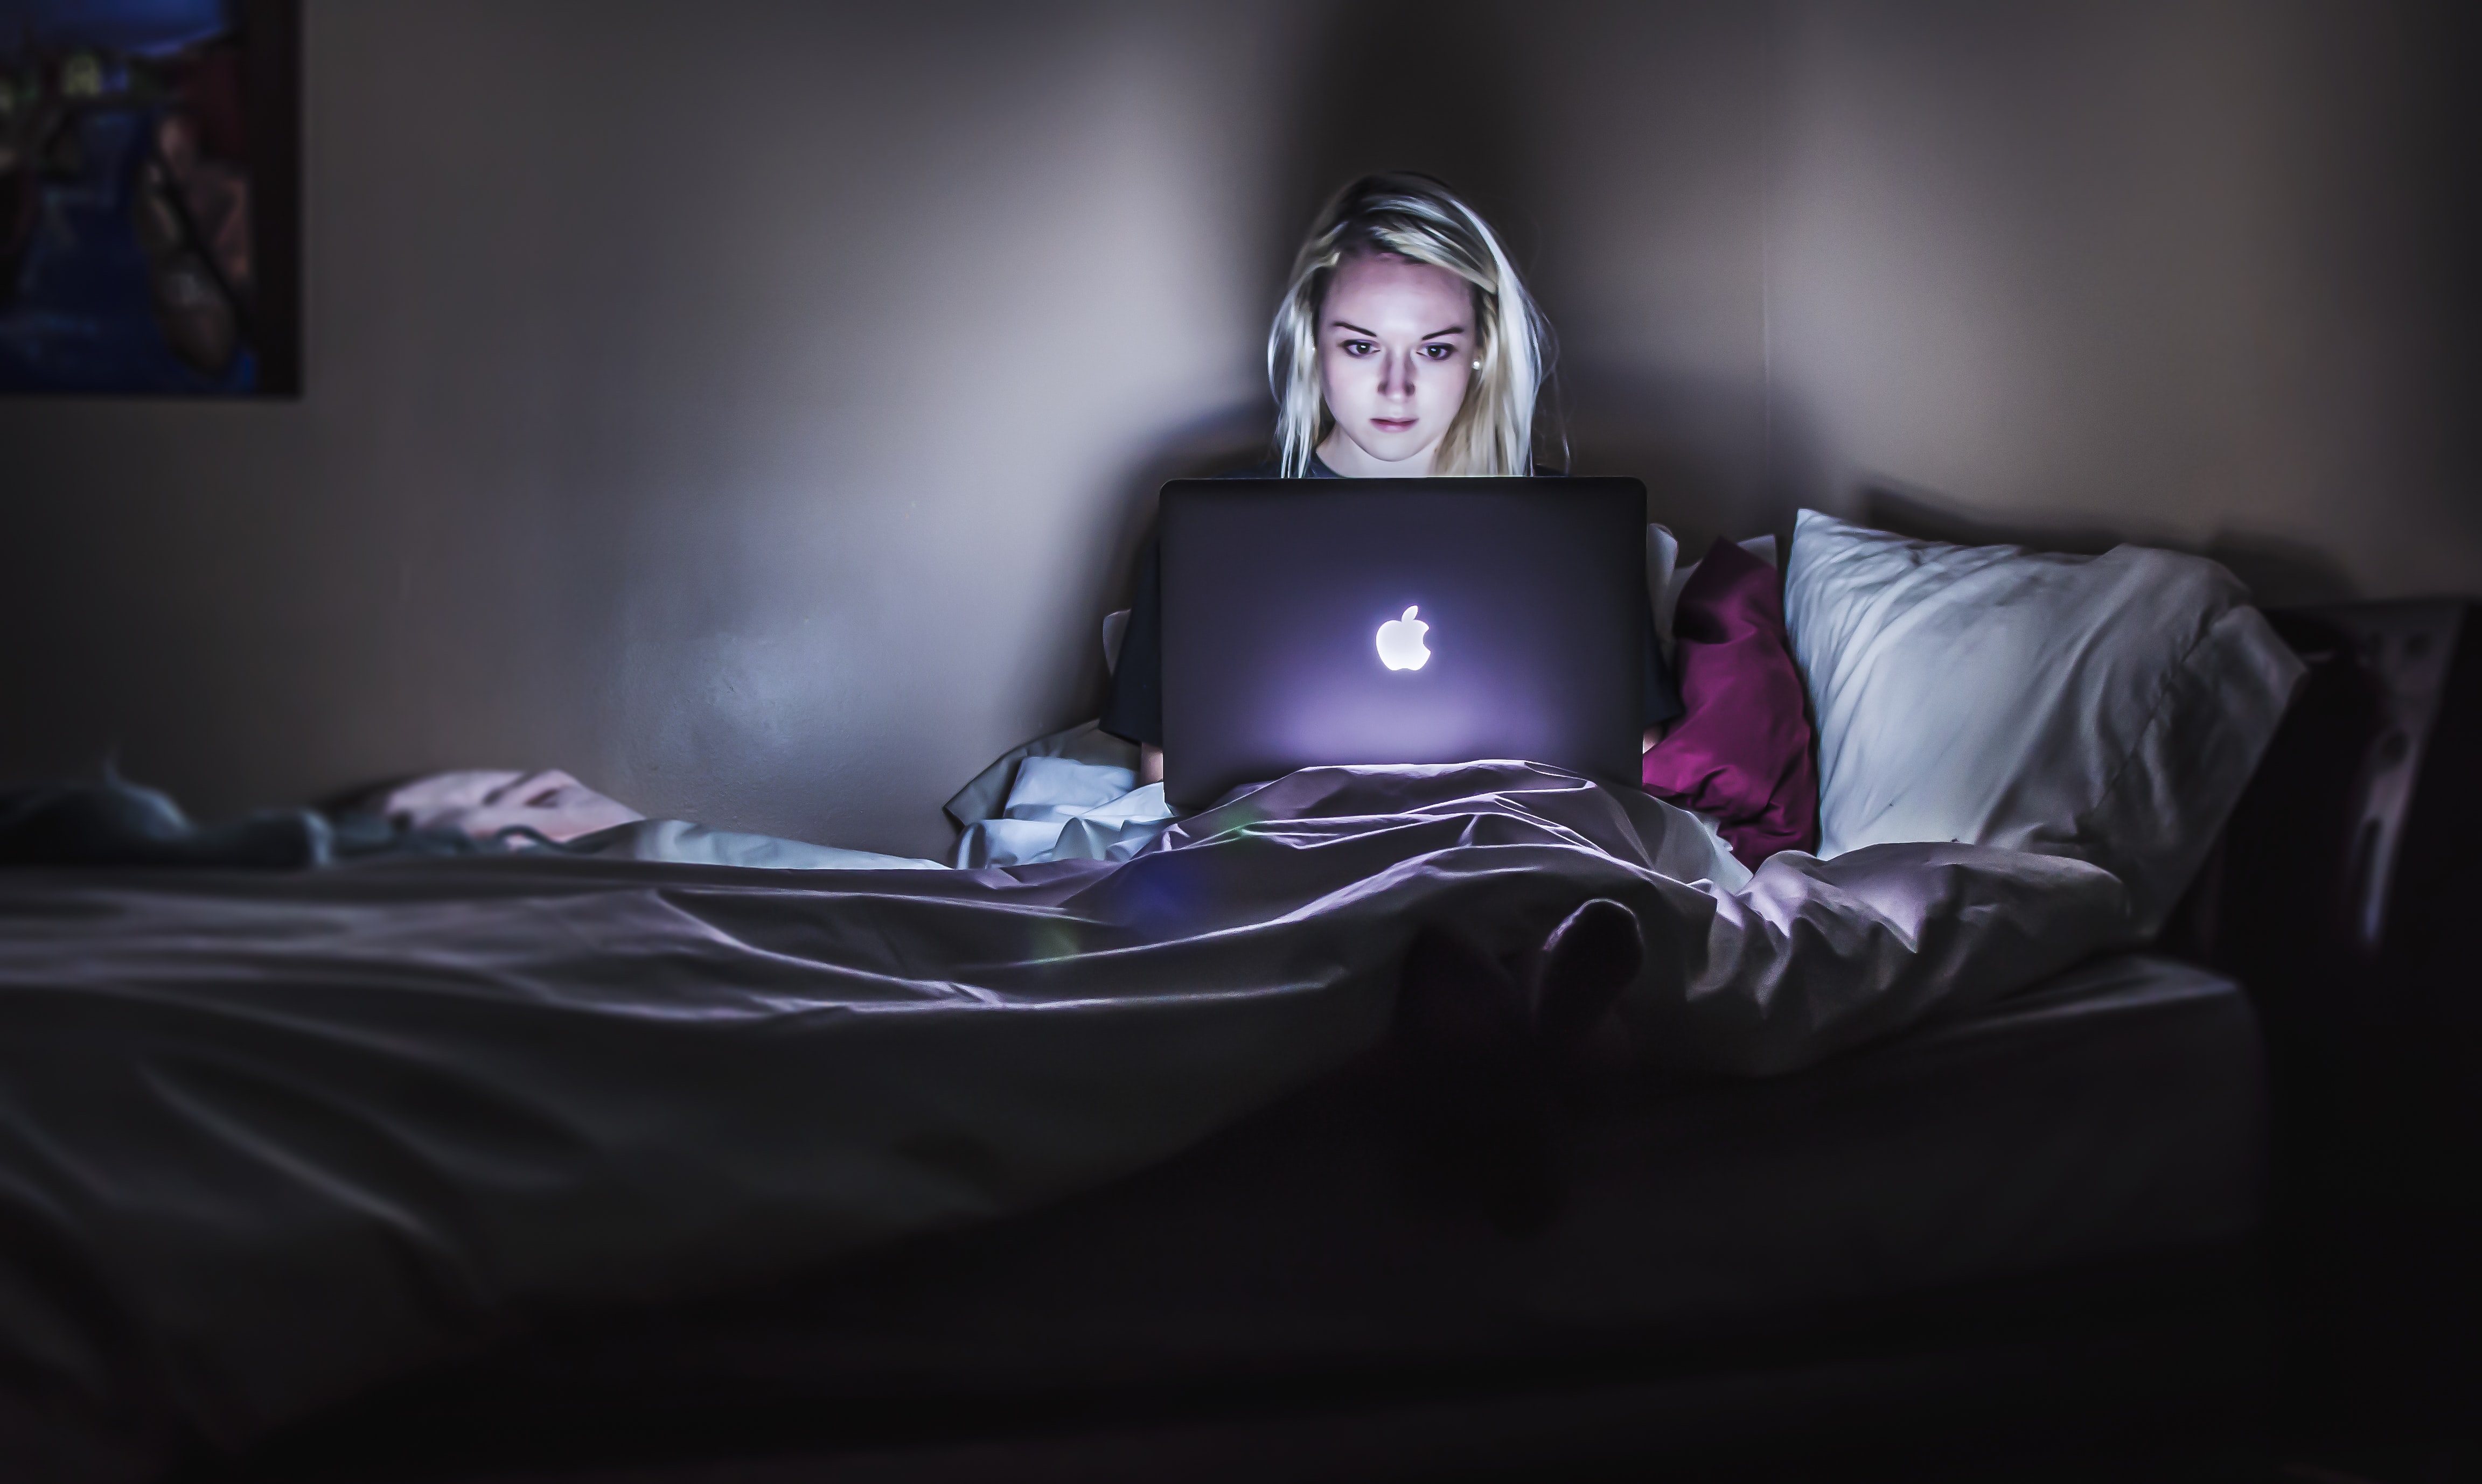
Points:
(117, 822)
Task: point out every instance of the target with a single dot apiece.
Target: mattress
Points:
(2115, 1112)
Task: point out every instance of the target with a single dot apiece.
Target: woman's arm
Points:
(1149, 764)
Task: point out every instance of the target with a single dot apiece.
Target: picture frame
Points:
(150, 197)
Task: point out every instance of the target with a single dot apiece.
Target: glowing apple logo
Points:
(1400, 641)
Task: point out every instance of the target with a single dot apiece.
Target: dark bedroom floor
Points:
(2377, 1279)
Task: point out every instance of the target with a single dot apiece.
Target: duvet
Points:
(266, 1139)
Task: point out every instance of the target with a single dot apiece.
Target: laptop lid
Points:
(1372, 621)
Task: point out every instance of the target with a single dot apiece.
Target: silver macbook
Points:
(1360, 621)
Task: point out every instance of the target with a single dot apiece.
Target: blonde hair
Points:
(1417, 218)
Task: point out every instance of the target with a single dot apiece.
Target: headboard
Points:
(2346, 870)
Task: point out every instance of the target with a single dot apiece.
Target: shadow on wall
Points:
(1661, 428)
(1349, 125)
(1220, 442)
(1699, 443)
(1358, 118)
(2280, 573)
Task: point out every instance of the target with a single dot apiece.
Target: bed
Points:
(464, 1169)
(2044, 1213)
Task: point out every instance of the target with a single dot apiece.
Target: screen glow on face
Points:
(1396, 350)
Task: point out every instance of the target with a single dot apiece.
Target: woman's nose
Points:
(1396, 376)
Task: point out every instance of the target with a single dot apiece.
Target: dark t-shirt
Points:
(1133, 710)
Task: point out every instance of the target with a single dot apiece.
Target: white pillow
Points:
(2108, 708)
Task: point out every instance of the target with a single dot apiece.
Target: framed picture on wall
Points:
(150, 197)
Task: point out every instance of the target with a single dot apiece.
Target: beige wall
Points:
(752, 405)
(2190, 271)
(745, 405)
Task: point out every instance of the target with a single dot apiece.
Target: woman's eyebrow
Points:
(1453, 329)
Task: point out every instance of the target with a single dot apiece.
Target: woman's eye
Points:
(1437, 353)
(1358, 347)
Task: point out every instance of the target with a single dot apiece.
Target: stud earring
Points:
(1477, 365)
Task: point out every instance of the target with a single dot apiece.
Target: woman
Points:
(1405, 347)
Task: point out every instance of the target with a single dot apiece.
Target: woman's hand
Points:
(1149, 764)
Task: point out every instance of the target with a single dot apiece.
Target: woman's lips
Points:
(1394, 424)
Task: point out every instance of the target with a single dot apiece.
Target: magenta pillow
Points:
(1741, 751)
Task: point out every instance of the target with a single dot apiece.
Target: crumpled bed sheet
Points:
(267, 1139)
(1072, 795)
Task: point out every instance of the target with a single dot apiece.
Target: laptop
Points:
(1374, 621)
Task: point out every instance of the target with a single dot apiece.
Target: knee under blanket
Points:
(268, 1139)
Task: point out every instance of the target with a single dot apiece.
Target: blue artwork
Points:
(130, 226)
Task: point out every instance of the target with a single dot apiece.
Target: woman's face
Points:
(1396, 342)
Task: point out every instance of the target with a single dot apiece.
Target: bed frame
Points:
(2341, 895)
